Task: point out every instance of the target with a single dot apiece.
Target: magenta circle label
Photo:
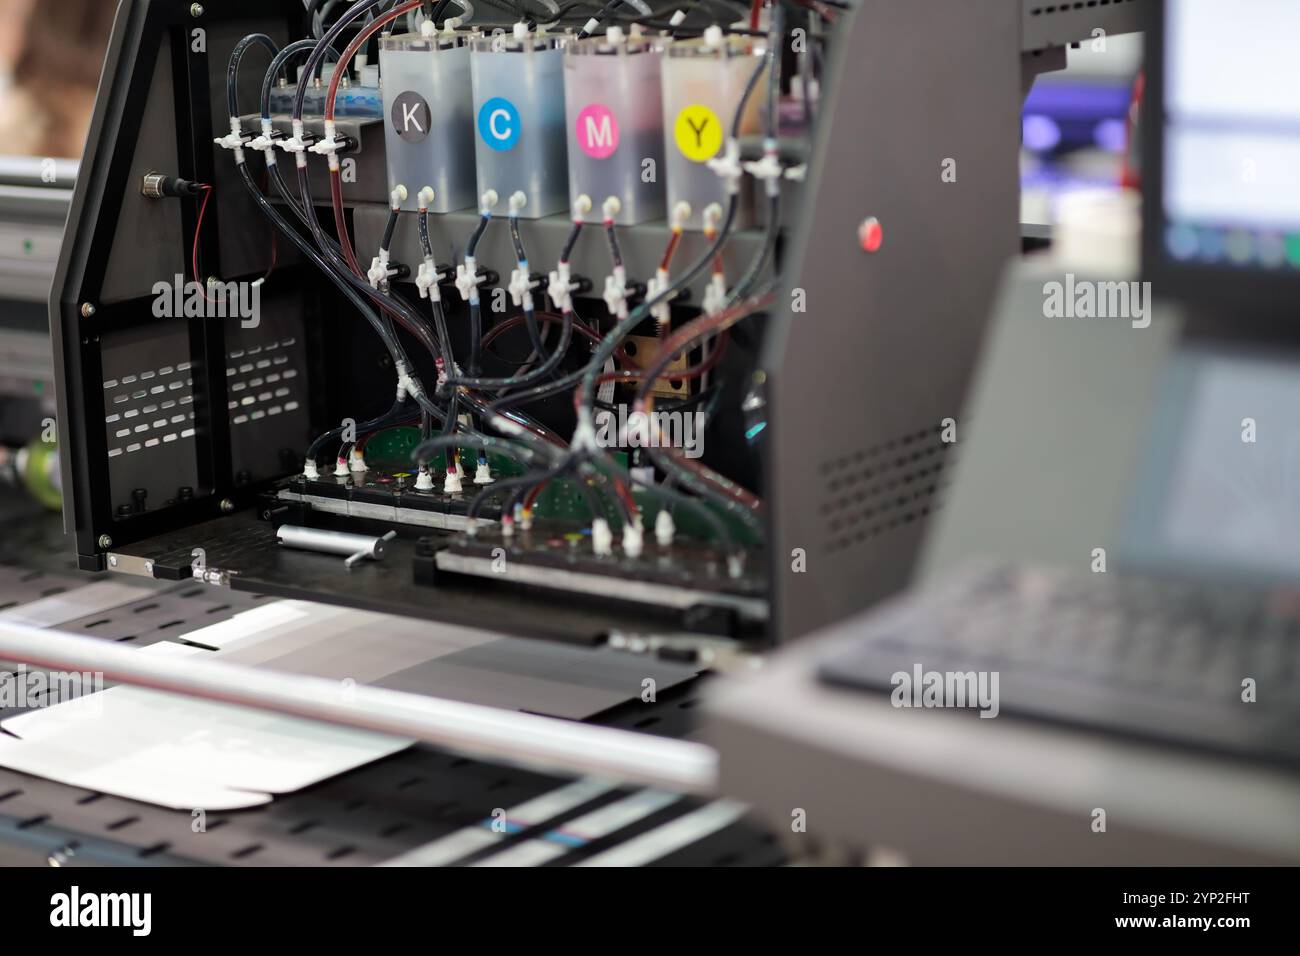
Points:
(597, 131)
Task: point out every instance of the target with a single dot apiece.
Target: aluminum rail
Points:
(545, 744)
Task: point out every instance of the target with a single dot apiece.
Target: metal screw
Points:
(227, 505)
(196, 9)
(105, 542)
(87, 310)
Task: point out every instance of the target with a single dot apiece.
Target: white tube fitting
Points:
(602, 538)
(633, 539)
(610, 208)
(665, 528)
(483, 474)
(452, 484)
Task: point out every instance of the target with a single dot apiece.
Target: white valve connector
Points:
(561, 287)
(397, 197)
(797, 174)
(424, 480)
(602, 538)
(483, 474)
(520, 287)
(715, 295)
(330, 146)
(713, 36)
(728, 166)
(428, 29)
(611, 207)
(518, 200)
(487, 202)
(507, 526)
(615, 294)
(451, 25)
(379, 272)
(665, 528)
(681, 213)
(521, 30)
(265, 142)
(341, 469)
(526, 519)
(425, 196)
(358, 460)
(452, 484)
(309, 470)
(614, 34)
(712, 216)
(768, 169)
(657, 284)
(468, 279)
(235, 139)
(295, 144)
(581, 207)
(633, 539)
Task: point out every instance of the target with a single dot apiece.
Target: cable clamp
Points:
(728, 167)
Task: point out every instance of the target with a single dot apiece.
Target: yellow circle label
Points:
(698, 132)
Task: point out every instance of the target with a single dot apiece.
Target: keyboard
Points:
(1140, 657)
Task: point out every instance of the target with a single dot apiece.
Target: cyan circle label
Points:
(498, 123)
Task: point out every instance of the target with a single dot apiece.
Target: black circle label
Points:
(411, 116)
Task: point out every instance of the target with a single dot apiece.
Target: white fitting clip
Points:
(295, 144)
(665, 528)
(633, 538)
(561, 288)
(768, 169)
(715, 295)
(615, 294)
(602, 538)
(330, 145)
(265, 142)
(379, 271)
(468, 279)
(236, 139)
(728, 166)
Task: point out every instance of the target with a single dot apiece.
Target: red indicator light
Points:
(870, 234)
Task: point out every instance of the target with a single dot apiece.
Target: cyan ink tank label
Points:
(498, 123)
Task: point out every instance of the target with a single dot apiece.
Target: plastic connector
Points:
(330, 145)
(602, 538)
(310, 471)
(713, 36)
(296, 144)
(715, 295)
(379, 271)
(633, 539)
(236, 139)
(357, 462)
(483, 474)
(265, 141)
(487, 202)
(561, 287)
(665, 528)
(426, 280)
(728, 166)
(341, 469)
(424, 480)
(615, 294)
(657, 284)
(521, 283)
(468, 279)
(768, 169)
(452, 485)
